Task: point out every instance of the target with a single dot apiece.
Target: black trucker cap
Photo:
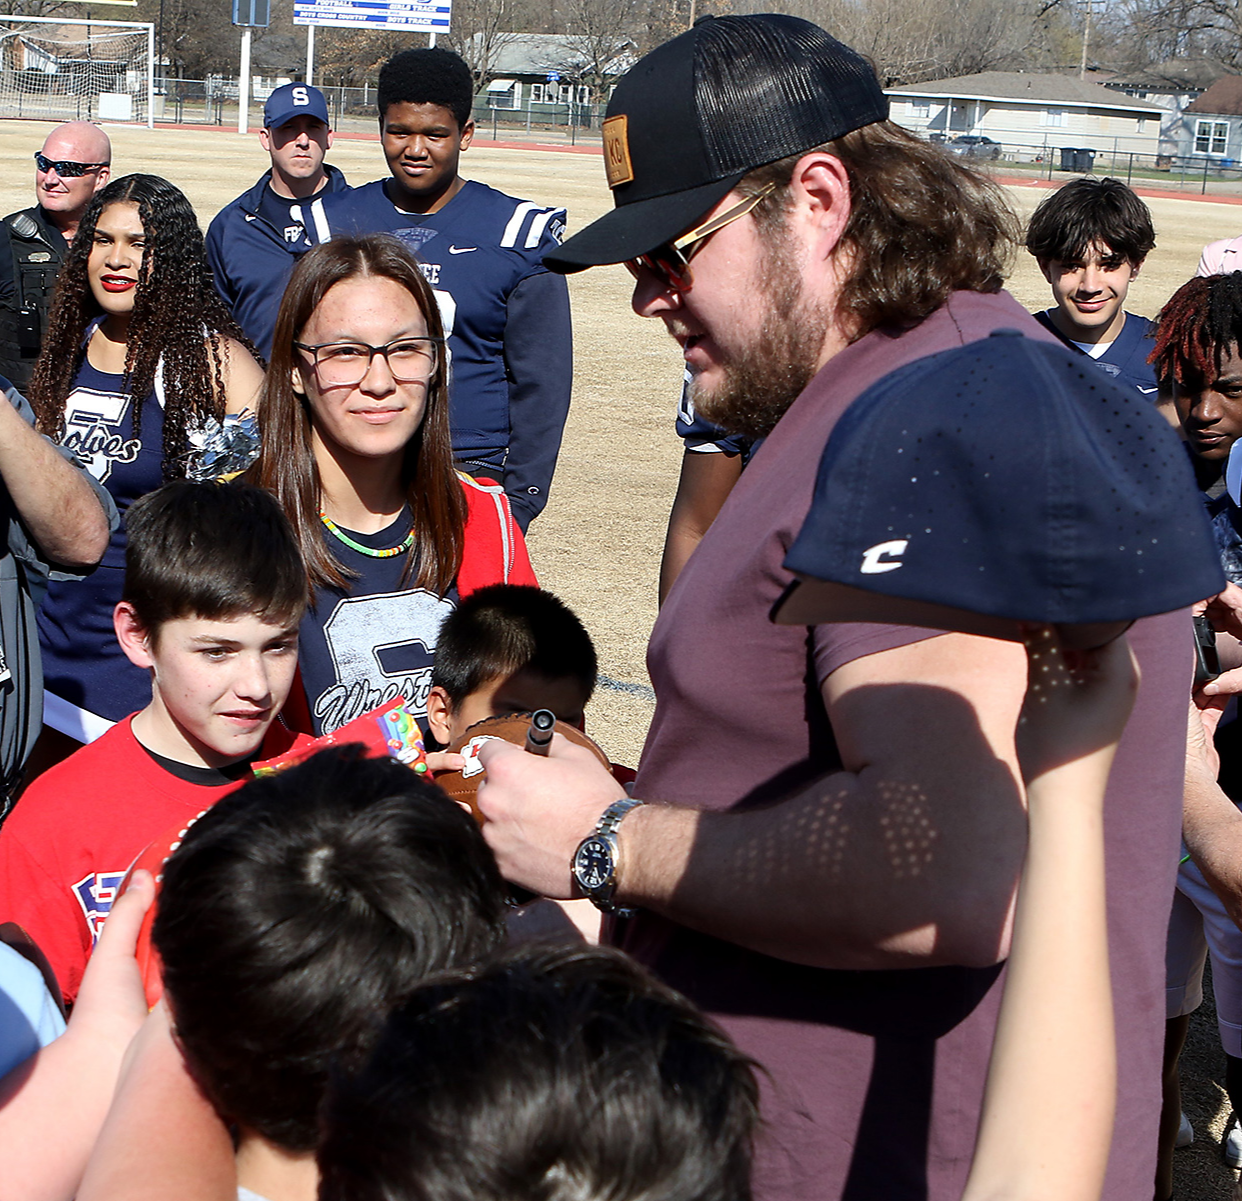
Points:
(1004, 481)
(688, 120)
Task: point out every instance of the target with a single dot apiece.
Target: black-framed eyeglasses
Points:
(66, 167)
(410, 360)
(670, 263)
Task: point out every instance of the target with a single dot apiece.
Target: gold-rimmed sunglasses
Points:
(670, 262)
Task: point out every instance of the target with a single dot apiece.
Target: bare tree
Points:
(601, 40)
(912, 40)
(1155, 31)
(481, 30)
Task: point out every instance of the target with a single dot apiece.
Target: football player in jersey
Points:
(253, 242)
(506, 317)
(1090, 239)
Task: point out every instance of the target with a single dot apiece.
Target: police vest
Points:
(36, 261)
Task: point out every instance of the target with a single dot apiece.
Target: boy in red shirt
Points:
(214, 591)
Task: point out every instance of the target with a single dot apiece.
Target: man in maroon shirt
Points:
(829, 863)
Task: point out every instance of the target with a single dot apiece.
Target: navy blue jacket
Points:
(507, 321)
(251, 260)
(1126, 359)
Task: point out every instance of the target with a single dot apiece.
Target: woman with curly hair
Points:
(141, 360)
(355, 446)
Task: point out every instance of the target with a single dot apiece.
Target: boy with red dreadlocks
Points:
(1199, 364)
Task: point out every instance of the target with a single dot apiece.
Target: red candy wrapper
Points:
(390, 730)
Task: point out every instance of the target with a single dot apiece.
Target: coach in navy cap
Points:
(253, 242)
(830, 866)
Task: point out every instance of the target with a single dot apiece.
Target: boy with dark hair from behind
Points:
(553, 1074)
(293, 915)
(214, 592)
(1090, 239)
(509, 648)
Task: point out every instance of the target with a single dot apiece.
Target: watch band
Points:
(610, 819)
(606, 829)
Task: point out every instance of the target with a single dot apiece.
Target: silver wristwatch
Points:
(594, 864)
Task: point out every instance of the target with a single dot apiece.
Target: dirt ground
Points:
(598, 543)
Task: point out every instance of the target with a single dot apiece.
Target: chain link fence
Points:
(1015, 155)
(213, 101)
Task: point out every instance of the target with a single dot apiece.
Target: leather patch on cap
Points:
(617, 163)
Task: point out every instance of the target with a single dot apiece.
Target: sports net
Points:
(63, 70)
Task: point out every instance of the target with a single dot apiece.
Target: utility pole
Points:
(243, 84)
(1086, 37)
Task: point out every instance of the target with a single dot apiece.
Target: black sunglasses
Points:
(66, 167)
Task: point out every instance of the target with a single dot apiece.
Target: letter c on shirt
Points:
(882, 556)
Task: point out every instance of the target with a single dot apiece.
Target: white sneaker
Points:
(1231, 1144)
(1185, 1133)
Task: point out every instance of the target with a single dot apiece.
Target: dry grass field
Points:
(598, 543)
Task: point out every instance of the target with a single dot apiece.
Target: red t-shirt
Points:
(874, 1079)
(71, 838)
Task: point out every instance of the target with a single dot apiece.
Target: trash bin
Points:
(1077, 158)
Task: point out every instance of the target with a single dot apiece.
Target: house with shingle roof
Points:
(549, 68)
(1173, 85)
(1030, 114)
(1211, 124)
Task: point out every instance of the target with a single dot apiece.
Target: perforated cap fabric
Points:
(1009, 478)
(688, 120)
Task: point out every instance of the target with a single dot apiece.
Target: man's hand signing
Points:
(538, 810)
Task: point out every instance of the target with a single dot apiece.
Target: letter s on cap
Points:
(300, 96)
(883, 556)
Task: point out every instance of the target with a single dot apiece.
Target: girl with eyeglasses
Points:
(355, 445)
(140, 365)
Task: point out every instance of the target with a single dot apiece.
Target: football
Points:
(509, 727)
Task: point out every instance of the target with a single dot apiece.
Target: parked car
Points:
(974, 146)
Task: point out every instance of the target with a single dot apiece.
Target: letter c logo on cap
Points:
(883, 556)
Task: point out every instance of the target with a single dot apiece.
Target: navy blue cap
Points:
(1008, 478)
(294, 100)
(688, 120)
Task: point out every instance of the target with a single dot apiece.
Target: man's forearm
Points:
(839, 876)
(53, 497)
(907, 857)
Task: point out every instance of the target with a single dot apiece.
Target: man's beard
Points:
(764, 378)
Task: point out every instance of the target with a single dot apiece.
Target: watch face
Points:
(593, 864)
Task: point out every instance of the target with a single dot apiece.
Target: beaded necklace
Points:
(338, 533)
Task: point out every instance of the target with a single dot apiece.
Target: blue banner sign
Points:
(430, 16)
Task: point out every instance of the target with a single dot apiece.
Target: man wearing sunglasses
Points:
(829, 863)
(72, 166)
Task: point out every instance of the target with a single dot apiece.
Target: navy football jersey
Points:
(483, 253)
(698, 434)
(82, 661)
(361, 647)
(1126, 358)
